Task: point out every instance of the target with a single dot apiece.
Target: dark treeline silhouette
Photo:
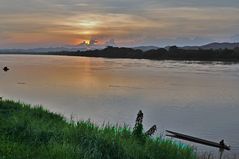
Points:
(172, 53)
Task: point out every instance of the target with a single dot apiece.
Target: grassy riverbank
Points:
(32, 132)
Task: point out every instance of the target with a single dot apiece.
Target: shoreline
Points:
(173, 53)
(25, 127)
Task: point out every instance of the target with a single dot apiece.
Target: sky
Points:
(50, 23)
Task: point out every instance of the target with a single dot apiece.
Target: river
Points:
(195, 98)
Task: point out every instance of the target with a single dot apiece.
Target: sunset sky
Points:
(44, 23)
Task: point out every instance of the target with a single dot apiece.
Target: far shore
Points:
(173, 53)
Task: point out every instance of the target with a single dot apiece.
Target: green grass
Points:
(34, 133)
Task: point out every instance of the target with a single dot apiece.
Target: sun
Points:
(87, 42)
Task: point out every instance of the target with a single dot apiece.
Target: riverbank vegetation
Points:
(172, 53)
(32, 132)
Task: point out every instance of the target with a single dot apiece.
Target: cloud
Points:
(29, 22)
(110, 42)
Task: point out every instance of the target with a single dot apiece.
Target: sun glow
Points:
(81, 42)
(88, 23)
(87, 32)
(87, 42)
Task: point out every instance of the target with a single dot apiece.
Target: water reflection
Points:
(190, 97)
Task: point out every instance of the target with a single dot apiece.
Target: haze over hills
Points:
(215, 45)
(210, 53)
(53, 49)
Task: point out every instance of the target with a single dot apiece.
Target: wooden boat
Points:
(5, 69)
(220, 145)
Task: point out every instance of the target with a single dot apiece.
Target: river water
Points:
(195, 98)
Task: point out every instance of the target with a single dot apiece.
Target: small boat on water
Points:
(220, 145)
(5, 68)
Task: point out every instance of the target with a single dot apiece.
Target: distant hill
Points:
(37, 50)
(172, 53)
(214, 46)
(146, 48)
(221, 46)
(50, 49)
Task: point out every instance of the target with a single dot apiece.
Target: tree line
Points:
(173, 53)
